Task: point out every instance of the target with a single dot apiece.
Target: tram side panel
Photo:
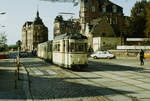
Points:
(58, 54)
(77, 60)
(45, 50)
(38, 53)
(49, 51)
(77, 55)
(64, 55)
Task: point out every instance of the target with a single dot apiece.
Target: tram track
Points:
(68, 73)
(101, 85)
(130, 97)
(140, 72)
(113, 73)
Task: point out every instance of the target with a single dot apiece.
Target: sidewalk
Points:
(7, 82)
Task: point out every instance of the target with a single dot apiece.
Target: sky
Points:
(20, 11)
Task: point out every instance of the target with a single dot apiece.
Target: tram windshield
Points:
(78, 47)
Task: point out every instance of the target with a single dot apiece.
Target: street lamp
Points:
(18, 57)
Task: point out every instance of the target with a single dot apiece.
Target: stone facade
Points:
(65, 26)
(93, 9)
(34, 33)
(101, 18)
(105, 43)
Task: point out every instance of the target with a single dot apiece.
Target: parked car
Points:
(102, 54)
(23, 54)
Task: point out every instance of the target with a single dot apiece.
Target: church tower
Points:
(34, 33)
(83, 14)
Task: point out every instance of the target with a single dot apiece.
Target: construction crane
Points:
(76, 2)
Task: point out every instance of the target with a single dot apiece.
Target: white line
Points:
(51, 72)
(37, 72)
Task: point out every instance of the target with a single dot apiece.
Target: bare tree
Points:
(3, 40)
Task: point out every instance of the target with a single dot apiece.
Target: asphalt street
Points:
(121, 79)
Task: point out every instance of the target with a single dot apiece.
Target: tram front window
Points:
(72, 47)
(77, 47)
(56, 47)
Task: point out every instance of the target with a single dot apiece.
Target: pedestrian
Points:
(142, 57)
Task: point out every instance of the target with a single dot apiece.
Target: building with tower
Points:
(101, 18)
(62, 26)
(34, 33)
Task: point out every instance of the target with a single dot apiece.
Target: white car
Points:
(102, 54)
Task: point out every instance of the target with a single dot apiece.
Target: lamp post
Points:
(18, 57)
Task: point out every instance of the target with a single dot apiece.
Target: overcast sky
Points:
(20, 11)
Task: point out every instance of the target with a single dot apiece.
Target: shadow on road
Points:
(43, 87)
(101, 66)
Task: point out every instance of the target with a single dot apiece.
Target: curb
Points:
(26, 87)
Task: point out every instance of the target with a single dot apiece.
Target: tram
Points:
(67, 50)
(45, 50)
(70, 51)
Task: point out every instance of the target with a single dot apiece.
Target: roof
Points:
(70, 36)
(28, 23)
(38, 20)
(49, 41)
(109, 5)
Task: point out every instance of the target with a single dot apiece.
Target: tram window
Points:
(55, 47)
(67, 45)
(79, 47)
(72, 47)
(63, 46)
(49, 48)
(44, 48)
(58, 47)
(85, 47)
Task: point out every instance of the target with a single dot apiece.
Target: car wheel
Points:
(95, 57)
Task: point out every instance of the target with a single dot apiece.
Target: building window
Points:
(110, 20)
(57, 31)
(114, 20)
(103, 34)
(93, 8)
(104, 9)
(57, 25)
(114, 9)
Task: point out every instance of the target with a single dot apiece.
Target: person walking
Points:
(142, 57)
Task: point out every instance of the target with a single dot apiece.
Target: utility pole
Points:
(18, 58)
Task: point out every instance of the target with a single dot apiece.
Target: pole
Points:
(18, 59)
(18, 62)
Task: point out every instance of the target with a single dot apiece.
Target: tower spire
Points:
(37, 11)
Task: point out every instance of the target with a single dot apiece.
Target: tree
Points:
(137, 23)
(147, 30)
(3, 40)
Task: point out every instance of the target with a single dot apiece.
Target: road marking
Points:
(51, 72)
(37, 72)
